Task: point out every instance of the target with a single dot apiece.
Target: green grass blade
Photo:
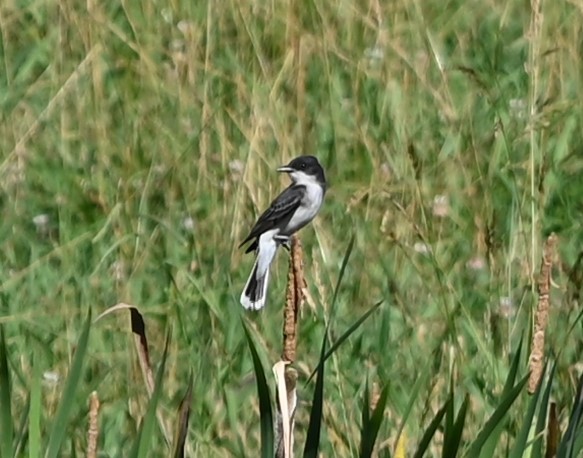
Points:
(315, 424)
(59, 429)
(370, 431)
(430, 431)
(449, 412)
(6, 422)
(578, 445)
(265, 412)
(142, 445)
(21, 432)
(340, 278)
(567, 445)
(73, 449)
(345, 335)
(537, 446)
(365, 406)
(491, 443)
(520, 443)
(453, 435)
(34, 417)
(314, 427)
(511, 378)
(415, 390)
(496, 418)
(183, 418)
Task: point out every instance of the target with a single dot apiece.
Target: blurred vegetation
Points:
(138, 142)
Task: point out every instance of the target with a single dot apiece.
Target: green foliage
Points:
(371, 423)
(6, 424)
(430, 431)
(35, 414)
(143, 443)
(492, 426)
(181, 430)
(68, 399)
(264, 396)
(316, 412)
(138, 142)
(521, 442)
(484, 445)
(312, 444)
(572, 444)
(454, 426)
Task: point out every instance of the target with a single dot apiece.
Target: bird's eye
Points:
(303, 165)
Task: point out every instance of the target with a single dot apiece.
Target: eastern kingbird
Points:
(295, 207)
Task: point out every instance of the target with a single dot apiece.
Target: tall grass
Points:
(138, 142)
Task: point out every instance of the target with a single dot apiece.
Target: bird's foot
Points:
(283, 240)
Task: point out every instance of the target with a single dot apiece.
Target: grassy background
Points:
(138, 142)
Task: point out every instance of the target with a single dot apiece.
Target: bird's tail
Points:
(255, 291)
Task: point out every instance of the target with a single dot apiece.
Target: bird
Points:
(295, 207)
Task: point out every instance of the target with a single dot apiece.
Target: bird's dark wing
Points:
(278, 213)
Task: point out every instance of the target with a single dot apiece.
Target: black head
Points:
(304, 168)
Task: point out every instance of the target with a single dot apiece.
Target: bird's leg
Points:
(283, 240)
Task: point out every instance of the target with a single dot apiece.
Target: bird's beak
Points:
(285, 169)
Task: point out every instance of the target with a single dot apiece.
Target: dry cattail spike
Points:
(542, 314)
(293, 301)
(93, 433)
(288, 376)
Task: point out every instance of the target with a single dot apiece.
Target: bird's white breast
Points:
(311, 203)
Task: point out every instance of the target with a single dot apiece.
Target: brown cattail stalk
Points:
(552, 432)
(542, 314)
(93, 433)
(293, 301)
